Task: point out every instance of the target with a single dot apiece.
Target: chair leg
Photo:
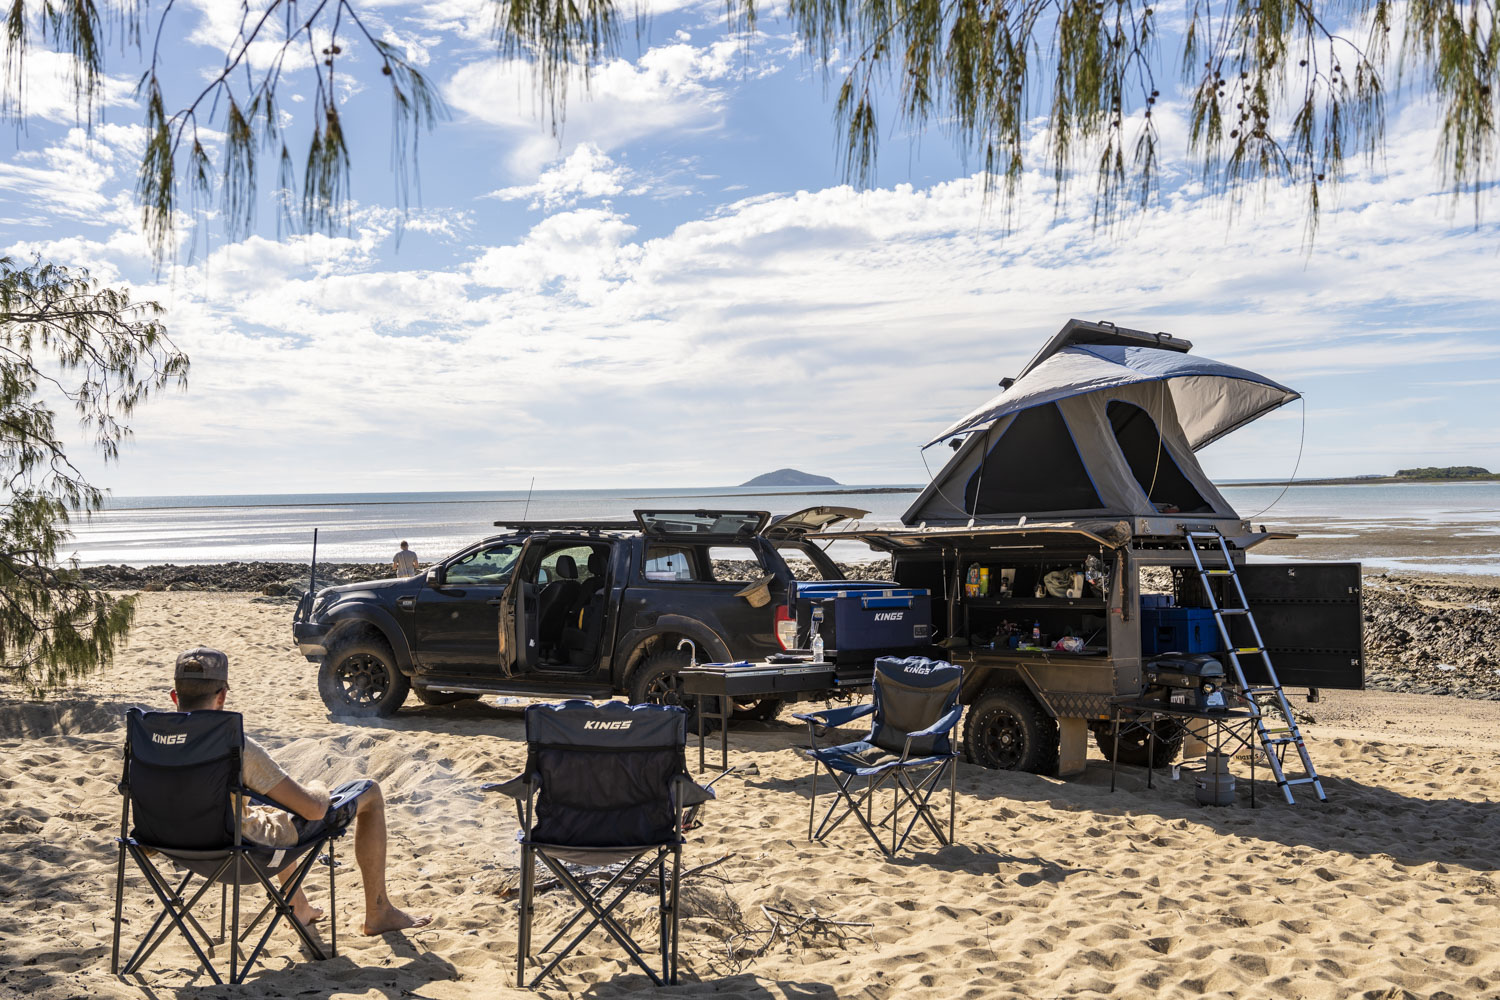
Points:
(282, 909)
(234, 918)
(333, 905)
(169, 902)
(523, 942)
(952, 798)
(812, 806)
(663, 918)
(602, 916)
(114, 955)
(152, 940)
(676, 879)
(223, 910)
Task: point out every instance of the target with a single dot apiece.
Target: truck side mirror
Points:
(436, 576)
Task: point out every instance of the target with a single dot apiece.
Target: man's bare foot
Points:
(306, 913)
(391, 919)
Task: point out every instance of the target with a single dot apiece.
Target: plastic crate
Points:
(1179, 630)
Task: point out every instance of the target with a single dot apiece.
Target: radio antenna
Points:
(312, 576)
(527, 508)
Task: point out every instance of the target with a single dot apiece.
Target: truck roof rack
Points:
(527, 527)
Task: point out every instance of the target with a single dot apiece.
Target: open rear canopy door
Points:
(812, 519)
(1311, 616)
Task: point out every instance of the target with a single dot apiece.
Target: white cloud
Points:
(586, 173)
(670, 88)
(48, 90)
(78, 177)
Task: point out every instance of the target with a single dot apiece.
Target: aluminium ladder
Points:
(1261, 697)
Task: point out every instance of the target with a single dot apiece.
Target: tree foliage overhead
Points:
(1277, 92)
(64, 340)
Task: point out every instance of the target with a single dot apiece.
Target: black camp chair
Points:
(910, 740)
(183, 782)
(604, 785)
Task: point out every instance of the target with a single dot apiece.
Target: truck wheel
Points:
(361, 679)
(756, 709)
(655, 682)
(1135, 740)
(1007, 730)
(435, 698)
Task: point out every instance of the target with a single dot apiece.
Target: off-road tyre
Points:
(437, 698)
(361, 679)
(655, 682)
(757, 710)
(1007, 730)
(1135, 740)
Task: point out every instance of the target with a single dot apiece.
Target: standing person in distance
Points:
(405, 562)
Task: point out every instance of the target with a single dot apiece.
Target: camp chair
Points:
(604, 785)
(182, 780)
(910, 740)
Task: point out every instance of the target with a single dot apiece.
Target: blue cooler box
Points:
(866, 620)
(1178, 630)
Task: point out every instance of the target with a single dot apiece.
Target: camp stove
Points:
(1194, 682)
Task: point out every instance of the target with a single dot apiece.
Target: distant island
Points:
(1430, 474)
(1446, 472)
(789, 477)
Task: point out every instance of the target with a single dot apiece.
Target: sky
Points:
(679, 289)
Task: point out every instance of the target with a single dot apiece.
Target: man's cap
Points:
(203, 664)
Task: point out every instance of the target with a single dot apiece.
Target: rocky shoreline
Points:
(1423, 635)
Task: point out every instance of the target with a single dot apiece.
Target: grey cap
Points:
(203, 664)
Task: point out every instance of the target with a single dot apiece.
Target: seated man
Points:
(202, 682)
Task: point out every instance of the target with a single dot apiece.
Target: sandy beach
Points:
(1054, 888)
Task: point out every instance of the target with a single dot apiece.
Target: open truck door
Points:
(1311, 617)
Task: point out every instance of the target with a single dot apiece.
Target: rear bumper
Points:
(310, 638)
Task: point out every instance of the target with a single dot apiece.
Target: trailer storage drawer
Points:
(864, 620)
(1179, 630)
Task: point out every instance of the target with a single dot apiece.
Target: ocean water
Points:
(368, 527)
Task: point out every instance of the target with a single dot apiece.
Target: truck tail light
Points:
(786, 627)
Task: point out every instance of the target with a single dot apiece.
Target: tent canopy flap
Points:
(1210, 398)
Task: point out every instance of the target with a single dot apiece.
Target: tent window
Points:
(1151, 463)
(1033, 467)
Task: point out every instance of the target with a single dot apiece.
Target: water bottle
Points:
(817, 637)
(1036, 633)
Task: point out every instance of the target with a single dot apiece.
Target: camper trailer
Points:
(1080, 474)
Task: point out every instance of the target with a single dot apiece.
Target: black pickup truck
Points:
(569, 609)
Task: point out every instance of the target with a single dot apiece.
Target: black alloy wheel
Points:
(1007, 730)
(656, 682)
(361, 679)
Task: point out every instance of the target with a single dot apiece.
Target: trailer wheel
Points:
(655, 682)
(1007, 730)
(1135, 741)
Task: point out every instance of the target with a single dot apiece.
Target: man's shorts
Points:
(343, 802)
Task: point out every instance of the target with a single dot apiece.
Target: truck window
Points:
(488, 565)
(579, 554)
(735, 564)
(669, 562)
(806, 566)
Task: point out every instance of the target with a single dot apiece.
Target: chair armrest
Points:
(947, 722)
(519, 788)
(943, 725)
(832, 717)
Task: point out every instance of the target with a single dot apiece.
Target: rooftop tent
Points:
(1103, 423)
